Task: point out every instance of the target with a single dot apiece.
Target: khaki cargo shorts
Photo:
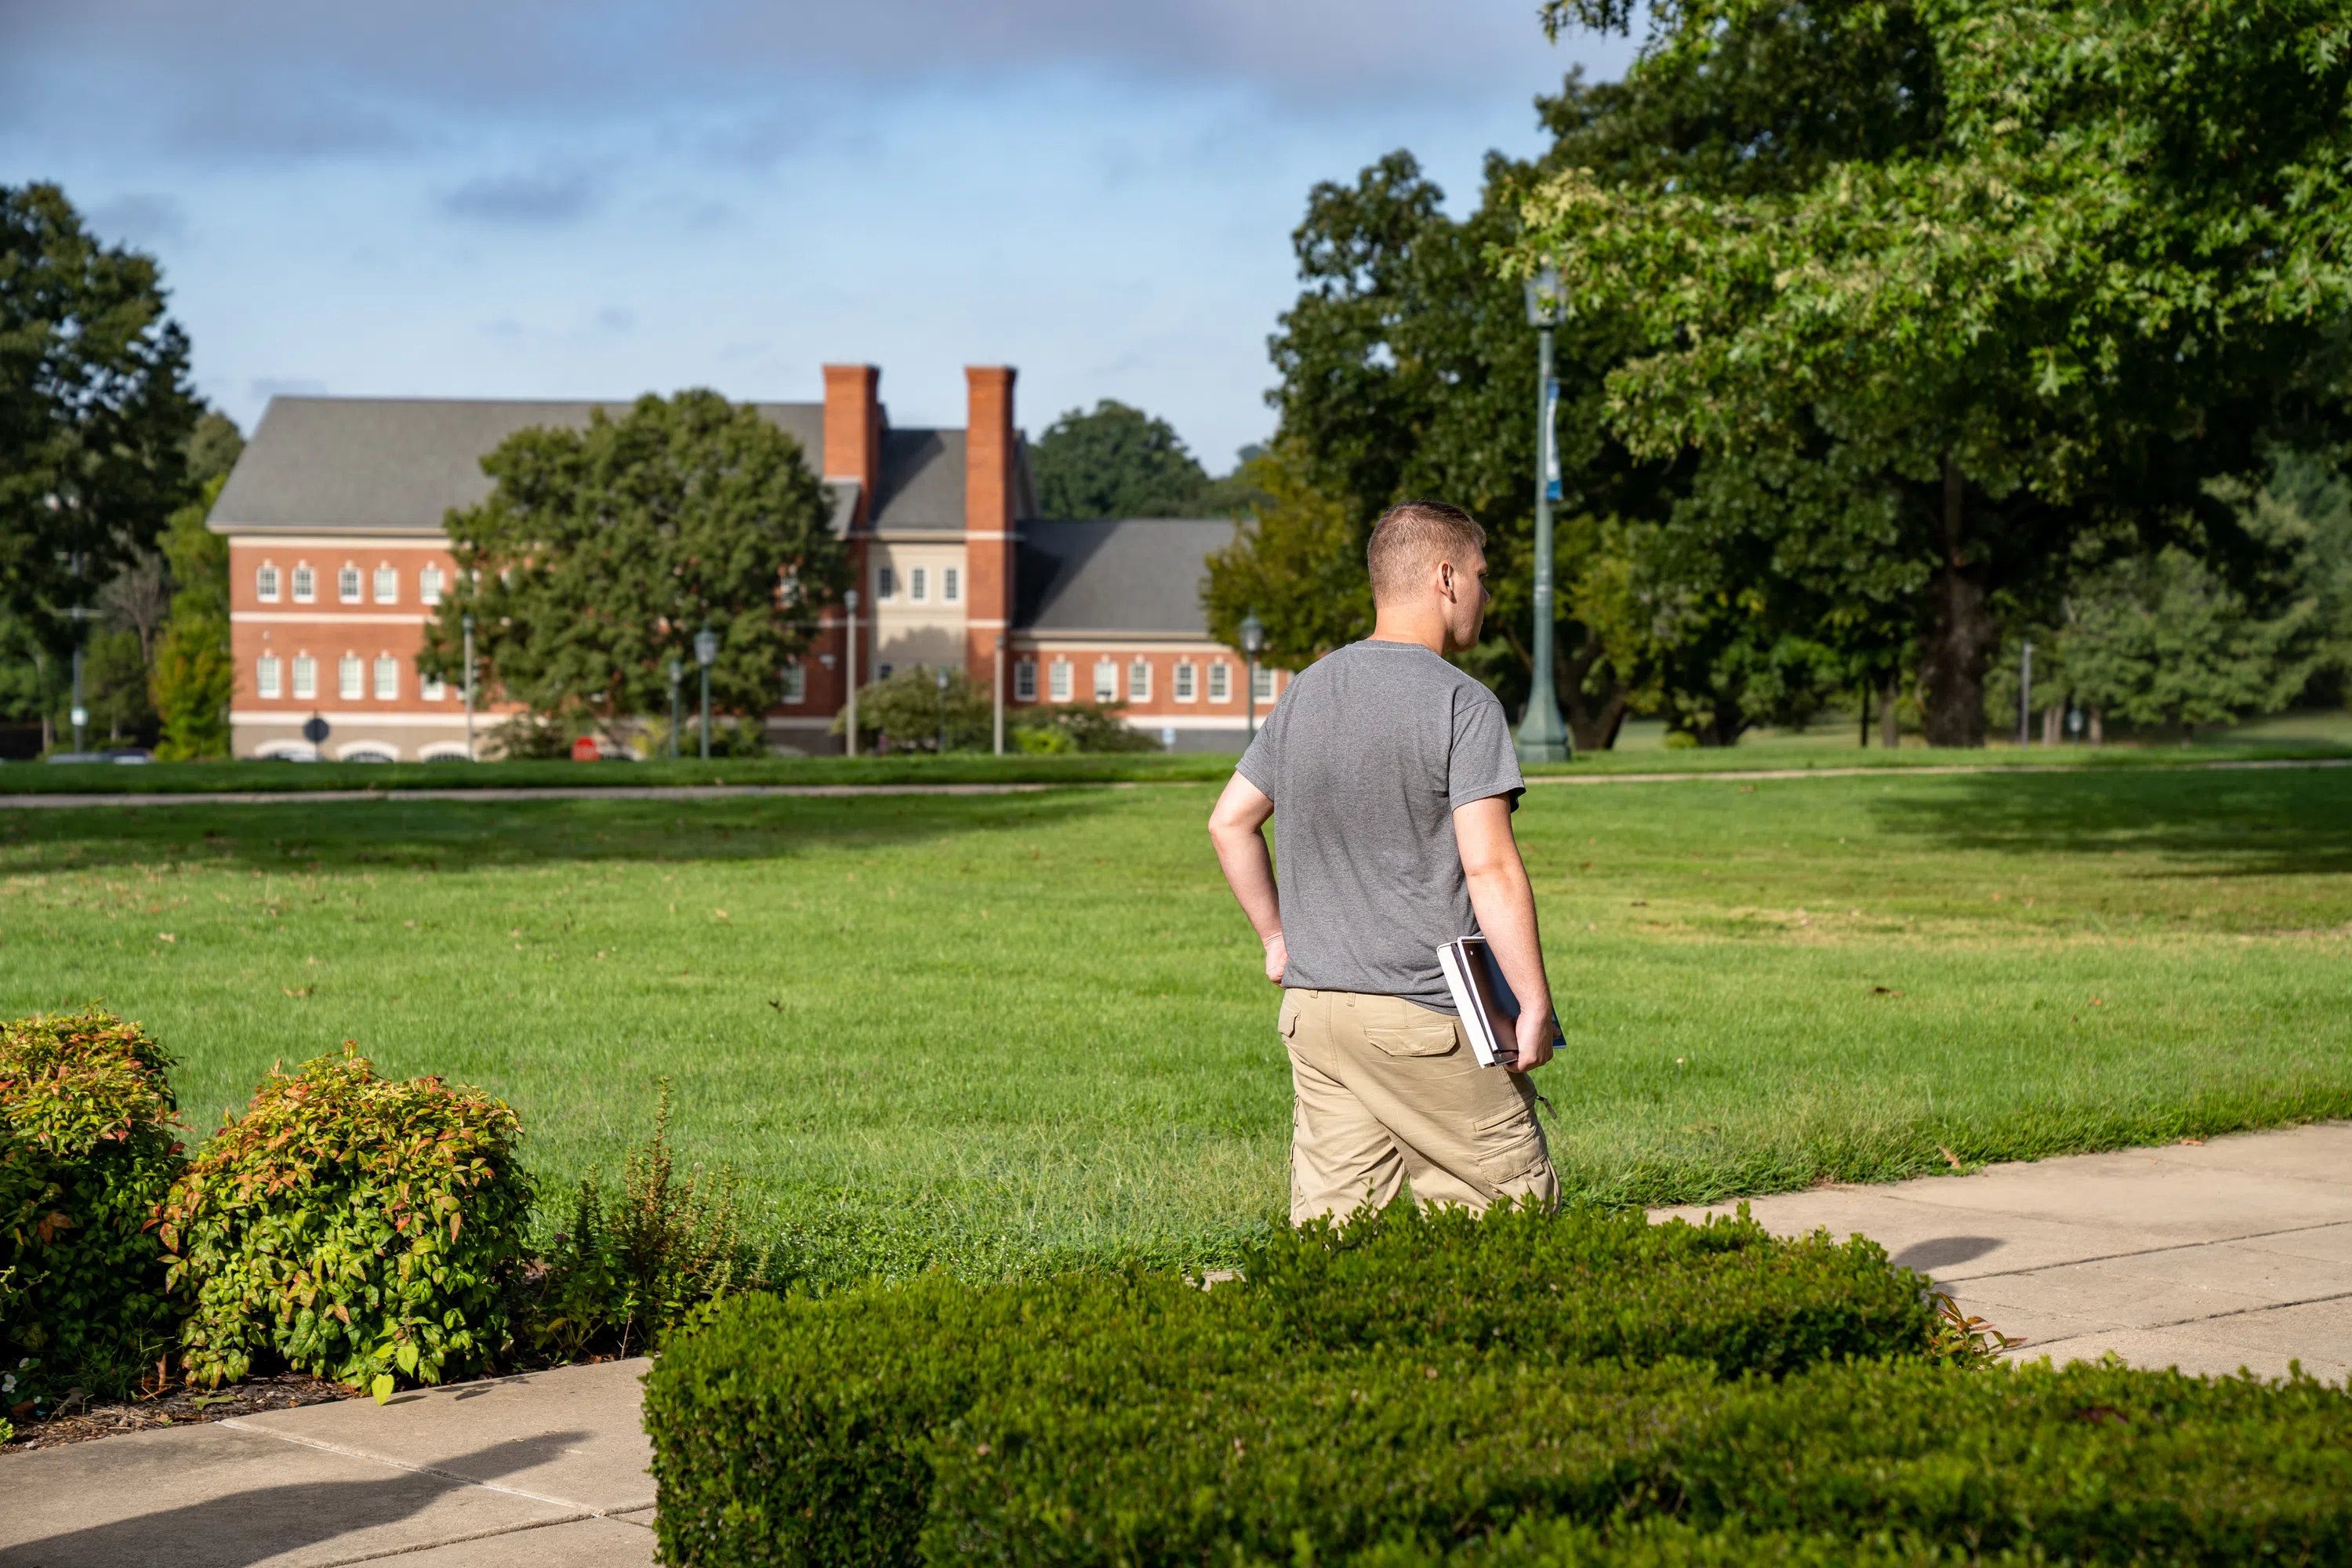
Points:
(1387, 1091)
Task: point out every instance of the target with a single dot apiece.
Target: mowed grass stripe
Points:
(984, 1031)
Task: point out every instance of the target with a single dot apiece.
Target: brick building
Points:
(337, 556)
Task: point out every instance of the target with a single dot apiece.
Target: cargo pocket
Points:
(1285, 1023)
(1414, 1040)
(1508, 1146)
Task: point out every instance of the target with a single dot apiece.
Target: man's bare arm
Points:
(1506, 906)
(1237, 828)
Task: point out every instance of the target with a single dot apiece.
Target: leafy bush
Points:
(809, 1424)
(1081, 727)
(916, 710)
(667, 1252)
(88, 1146)
(358, 1228)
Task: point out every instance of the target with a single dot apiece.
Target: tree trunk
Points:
(1890, 723)
(2053, 723)
(2098, 735)
(1960, 633)
(1865, 716)
(1592, 727)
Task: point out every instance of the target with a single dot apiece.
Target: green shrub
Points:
(632, 1273)
(2091, 1464)
(357, 1227)
(1672, 1543)
(805, 1424)
(88, 1146)
(1080, 727)
(1588, 1284)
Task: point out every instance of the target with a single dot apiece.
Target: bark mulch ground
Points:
(78, 1423)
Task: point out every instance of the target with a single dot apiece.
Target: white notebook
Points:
(1483, 998)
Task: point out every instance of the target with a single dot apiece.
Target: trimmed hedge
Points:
(359, 1227)
(88, 1146)
(800, 1431)
(2090, 1464)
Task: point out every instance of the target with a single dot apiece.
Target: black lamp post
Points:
(940, 679)
(1543, 737)
(676, 677)
(1253, 631)
(466, 621)
(706, 654)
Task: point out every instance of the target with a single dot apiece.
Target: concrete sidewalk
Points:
(2209, 1258)
(2206, 1257)
(547, 1468)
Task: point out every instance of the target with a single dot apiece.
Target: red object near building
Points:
(584, 750)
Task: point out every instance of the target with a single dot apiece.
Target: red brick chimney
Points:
(853, 451)
(988, 453)
(853, 430)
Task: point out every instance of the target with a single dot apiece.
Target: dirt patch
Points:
(183, 1408)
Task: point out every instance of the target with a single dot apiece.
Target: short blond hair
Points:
(1413, 536)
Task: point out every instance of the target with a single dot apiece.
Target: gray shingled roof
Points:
(922, 480)
(1127, 576)
(395, 465)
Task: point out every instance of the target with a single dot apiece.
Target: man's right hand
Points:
(1534, 1035)
(1277, 958)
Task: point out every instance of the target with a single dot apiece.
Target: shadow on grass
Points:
(410, 835)
(2285, 823)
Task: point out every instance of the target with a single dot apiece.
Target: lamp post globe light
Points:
(706, 654)
(1252, 635)
(1543, 737)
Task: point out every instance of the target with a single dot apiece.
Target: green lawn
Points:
(980, 1029)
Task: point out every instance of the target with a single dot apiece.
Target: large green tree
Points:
(602, 551)
(1408, 368)
(2097, 264)
(194, 680)
(95, 410)
(1114, 462)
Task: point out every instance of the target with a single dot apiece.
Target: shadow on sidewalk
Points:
(263, 1522)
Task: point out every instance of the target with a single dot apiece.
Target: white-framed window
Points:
(918, 583)
(264, 584)
(1220, 683)
(1262, 684)
(387, 679)
(1184, 677)
(387, 584)
(795, 681)
(347, 584)
(1106, 680)
(1058, 680)
(351, 676)
(886, 583)
(306, 583)
(432, 688)
(265, 674)
(429, 583)
(305, 678)
(1024, 681)
(1139, 680)
(950, 585)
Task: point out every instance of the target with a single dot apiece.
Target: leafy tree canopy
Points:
(602, 551)
(95, 410)
(2094, 262)
(1115, 462)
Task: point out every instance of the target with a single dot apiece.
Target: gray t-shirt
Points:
(1365, 758)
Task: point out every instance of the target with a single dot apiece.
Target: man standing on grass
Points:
(1391, 779)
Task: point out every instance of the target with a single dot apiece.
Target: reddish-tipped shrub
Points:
(88, 1146)
(356, 1227)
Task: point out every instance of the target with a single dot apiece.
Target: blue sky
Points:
(600, 197)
